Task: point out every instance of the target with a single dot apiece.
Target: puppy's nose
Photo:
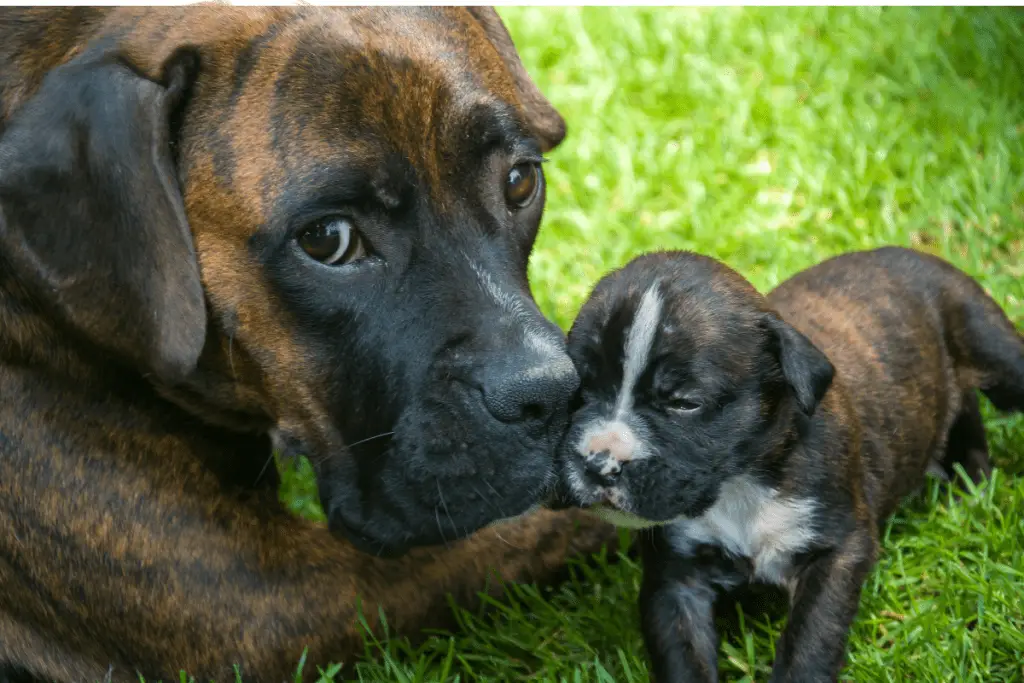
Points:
(530, 388)
(602, 468)
(616, 443)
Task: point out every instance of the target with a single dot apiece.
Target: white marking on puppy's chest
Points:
(750, 520)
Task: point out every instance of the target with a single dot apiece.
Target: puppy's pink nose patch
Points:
(619, 444)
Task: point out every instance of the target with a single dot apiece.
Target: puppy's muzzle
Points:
(591, 465)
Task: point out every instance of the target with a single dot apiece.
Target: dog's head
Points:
(688, 378)
(315, 223)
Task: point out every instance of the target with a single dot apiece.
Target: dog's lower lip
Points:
(364, 543)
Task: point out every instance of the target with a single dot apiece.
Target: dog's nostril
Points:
(534, 411)
(530, 391)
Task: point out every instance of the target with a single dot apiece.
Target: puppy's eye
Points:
(332, 241)
(684, 403)
(521, 184)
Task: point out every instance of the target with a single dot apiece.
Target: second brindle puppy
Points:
(766, 439)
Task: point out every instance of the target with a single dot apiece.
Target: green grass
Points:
(773, 139)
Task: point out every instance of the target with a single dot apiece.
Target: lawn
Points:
(773, 139)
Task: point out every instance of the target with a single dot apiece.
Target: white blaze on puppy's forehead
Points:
(615, 435)
(637, 351)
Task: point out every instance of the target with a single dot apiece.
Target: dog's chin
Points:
(395, 514)
(367, 542)
(391, 536)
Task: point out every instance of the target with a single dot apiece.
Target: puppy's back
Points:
(910, 336)
(909, 306)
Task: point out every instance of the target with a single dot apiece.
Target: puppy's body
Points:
(770, 450)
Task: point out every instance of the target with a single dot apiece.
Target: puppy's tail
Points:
(987, 348)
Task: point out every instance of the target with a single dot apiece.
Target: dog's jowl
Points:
(763, 440)
(224, 231)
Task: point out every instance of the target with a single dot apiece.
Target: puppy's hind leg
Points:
(967, 444)
(988, 349)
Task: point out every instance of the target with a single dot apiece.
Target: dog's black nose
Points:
(529, 389)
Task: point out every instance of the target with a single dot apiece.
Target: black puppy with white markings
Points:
(766, 439)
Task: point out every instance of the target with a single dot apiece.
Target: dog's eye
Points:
(521, 185)
(332, 241)
(683, 403)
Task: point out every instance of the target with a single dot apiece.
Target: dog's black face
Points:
(323, 235)
(448, 386)
(687, 380)
(402, 262)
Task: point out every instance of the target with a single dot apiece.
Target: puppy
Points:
(764, 440)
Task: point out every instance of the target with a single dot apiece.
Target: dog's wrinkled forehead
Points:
(377, 92)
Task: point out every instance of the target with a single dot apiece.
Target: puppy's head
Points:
(316, 223)
(688, 378)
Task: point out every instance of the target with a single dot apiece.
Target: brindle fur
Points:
(139, 524)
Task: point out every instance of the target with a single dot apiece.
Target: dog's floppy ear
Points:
(547, 124)
(92, 221)
(807, 370)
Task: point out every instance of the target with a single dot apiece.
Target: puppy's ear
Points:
(807, 370)
(92, 222)
(545, 121)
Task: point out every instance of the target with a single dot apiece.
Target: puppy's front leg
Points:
(824, 603)
(677, 619)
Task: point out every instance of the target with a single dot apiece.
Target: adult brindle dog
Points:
(226, 229)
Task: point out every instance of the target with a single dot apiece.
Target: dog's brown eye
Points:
(522, 184)
(332, 241)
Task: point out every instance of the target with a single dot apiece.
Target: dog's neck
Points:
(28, 338)
(33, 347)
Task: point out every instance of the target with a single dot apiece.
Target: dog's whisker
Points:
(455, 527)
(437, 518)
(496, 495)
(506, 542)
(493, 506)
(370, 438)
(264, 469)
(231, 355)
(321, 460)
